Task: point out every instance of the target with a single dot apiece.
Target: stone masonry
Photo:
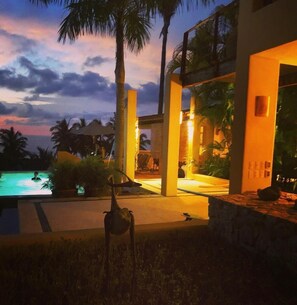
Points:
(263, 227)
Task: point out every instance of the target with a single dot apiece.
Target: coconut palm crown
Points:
(167, 9)
(127, 21)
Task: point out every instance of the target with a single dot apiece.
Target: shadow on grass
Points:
(179, 267)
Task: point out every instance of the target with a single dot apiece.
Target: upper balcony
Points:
(209, 48)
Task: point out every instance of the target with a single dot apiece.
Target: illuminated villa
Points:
(262, 56)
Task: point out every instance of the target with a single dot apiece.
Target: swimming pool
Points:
(20, 184)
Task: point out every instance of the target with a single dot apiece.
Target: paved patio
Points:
(38, 216)
(201, 185)
(59, 215)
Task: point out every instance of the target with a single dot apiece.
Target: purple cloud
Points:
(95, 61)
(22, 44)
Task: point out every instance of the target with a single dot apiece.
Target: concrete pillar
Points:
(130, 134)
(171, 134)
(254, 125)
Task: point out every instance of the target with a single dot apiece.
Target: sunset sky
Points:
(42, 81)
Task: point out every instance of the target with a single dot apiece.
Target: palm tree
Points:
(62, 136)
(109, 139)
(167, 9)
(127, 21)
(216, 103)
(42, 159)
(14, 144)
(82, 145)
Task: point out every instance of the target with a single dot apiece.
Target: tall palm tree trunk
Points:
(120, 82)
(163, 63)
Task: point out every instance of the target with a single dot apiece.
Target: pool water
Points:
(20, 184)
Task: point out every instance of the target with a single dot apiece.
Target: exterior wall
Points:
(208, 138)
(130, 134)
(171, 135)
(266, 38)
(183, 145)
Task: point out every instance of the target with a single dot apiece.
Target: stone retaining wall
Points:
(267, 228)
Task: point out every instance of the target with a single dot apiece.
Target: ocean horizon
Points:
(41, 141)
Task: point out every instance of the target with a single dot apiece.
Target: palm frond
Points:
(86, 17)
(137, 29)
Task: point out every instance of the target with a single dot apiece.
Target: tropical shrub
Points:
(93, 175)
(62, 176)
(217, 166)
(218, 162)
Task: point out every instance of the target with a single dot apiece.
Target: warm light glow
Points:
(201, 140)
(180, 117)
(190, 130)
(137, 135)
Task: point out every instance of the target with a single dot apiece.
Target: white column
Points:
(130, 134)
(171, 135)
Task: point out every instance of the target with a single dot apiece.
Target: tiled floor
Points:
(88, 214)
(40, 215)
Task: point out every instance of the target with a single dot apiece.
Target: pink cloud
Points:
(19, 125)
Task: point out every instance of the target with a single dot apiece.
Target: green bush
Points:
(217, 166)
(62, 176)
(218, 162)
(93, 174)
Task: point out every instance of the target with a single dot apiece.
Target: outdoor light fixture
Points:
(190, 130)
(262, 106)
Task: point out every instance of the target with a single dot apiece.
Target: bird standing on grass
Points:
(118, 221)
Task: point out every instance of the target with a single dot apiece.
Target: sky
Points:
(43, 81)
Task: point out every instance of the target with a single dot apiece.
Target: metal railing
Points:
(211, 42)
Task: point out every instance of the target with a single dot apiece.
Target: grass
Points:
(180, 267)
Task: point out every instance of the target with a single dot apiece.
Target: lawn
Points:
(177, 267)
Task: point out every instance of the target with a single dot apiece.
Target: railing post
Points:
(215, 44)
(184, 55)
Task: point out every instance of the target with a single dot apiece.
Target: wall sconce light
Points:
(262, 106)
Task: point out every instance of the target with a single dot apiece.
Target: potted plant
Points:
(62, 179)
(93, 176)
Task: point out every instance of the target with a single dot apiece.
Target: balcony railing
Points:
(209, 48)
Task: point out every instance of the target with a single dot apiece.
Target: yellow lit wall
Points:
(130, 134)
(171, 135)
(266, 38)
(260, 130)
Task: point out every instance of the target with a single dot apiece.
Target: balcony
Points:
(209, 48)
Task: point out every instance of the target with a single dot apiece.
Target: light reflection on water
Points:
(20, 183)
